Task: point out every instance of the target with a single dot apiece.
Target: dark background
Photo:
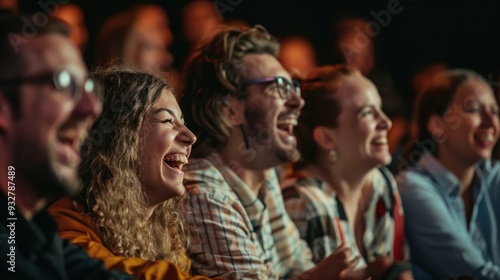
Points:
(459, 33)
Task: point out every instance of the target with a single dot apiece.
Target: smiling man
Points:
(46, 105)
(242, 106)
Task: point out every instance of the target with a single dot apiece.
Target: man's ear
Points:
(324, 137)
(233, 109)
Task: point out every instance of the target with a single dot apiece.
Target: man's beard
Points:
(288, 155)
(259, 134)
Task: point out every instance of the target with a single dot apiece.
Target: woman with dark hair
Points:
(340, 193)
(451, 194)
(127, 213)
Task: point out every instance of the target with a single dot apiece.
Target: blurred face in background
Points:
(151, 53)
(153, 19)
(198, 19)
(469, 128)
(74, 17)
(154, 38)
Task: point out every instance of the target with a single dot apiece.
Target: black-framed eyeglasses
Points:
(62, 80)
(283, 85)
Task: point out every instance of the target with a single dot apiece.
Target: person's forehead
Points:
(167, 100)
(474, 90)
(358, 90)
(257, 66)
(51, 52)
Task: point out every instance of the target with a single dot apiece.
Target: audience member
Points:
(243, 105)
(73, 15)
(199, 17)
(126, 213)
(340, 192)
(451, 193)
(138, 37)
(46, 104)
(360, 53)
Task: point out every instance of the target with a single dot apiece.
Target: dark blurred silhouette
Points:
(73, 15)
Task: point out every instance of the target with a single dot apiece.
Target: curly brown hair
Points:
(214, 71)
(112, 192)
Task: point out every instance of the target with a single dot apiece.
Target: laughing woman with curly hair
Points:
(127, 211)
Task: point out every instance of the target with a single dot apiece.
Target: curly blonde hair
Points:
(112, 192)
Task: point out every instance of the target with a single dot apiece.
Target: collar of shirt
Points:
(254, 205)
(440, 174)
(382, 183)
(450, 184)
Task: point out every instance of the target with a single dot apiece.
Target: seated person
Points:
(451, 193)
(340, 191)
(73, 15)
(46, 100)
(139, 37)
(243, 105)
(127, 212)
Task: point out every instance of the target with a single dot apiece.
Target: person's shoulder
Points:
(72, 221)
(414, 179)
(299, 185)
(203, 176)
(66, 207)
(307, 194)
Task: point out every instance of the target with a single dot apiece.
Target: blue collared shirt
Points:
(441, 242)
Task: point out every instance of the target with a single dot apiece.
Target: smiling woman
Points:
(451, 193)
(340, 192)
(127, 211)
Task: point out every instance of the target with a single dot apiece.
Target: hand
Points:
(374, 270)
(332, 267)
(382, 268)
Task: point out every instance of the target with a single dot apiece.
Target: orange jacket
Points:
(81, 231)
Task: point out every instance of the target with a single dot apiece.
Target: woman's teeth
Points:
(175, 160)
(486, 137)
(380, 141)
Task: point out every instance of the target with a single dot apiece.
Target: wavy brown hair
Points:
(112, 192)
(214, 71)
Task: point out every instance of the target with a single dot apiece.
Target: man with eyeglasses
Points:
(46, 105)
(242, 106)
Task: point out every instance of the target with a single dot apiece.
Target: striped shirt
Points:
(235, 233)
(322, 221)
